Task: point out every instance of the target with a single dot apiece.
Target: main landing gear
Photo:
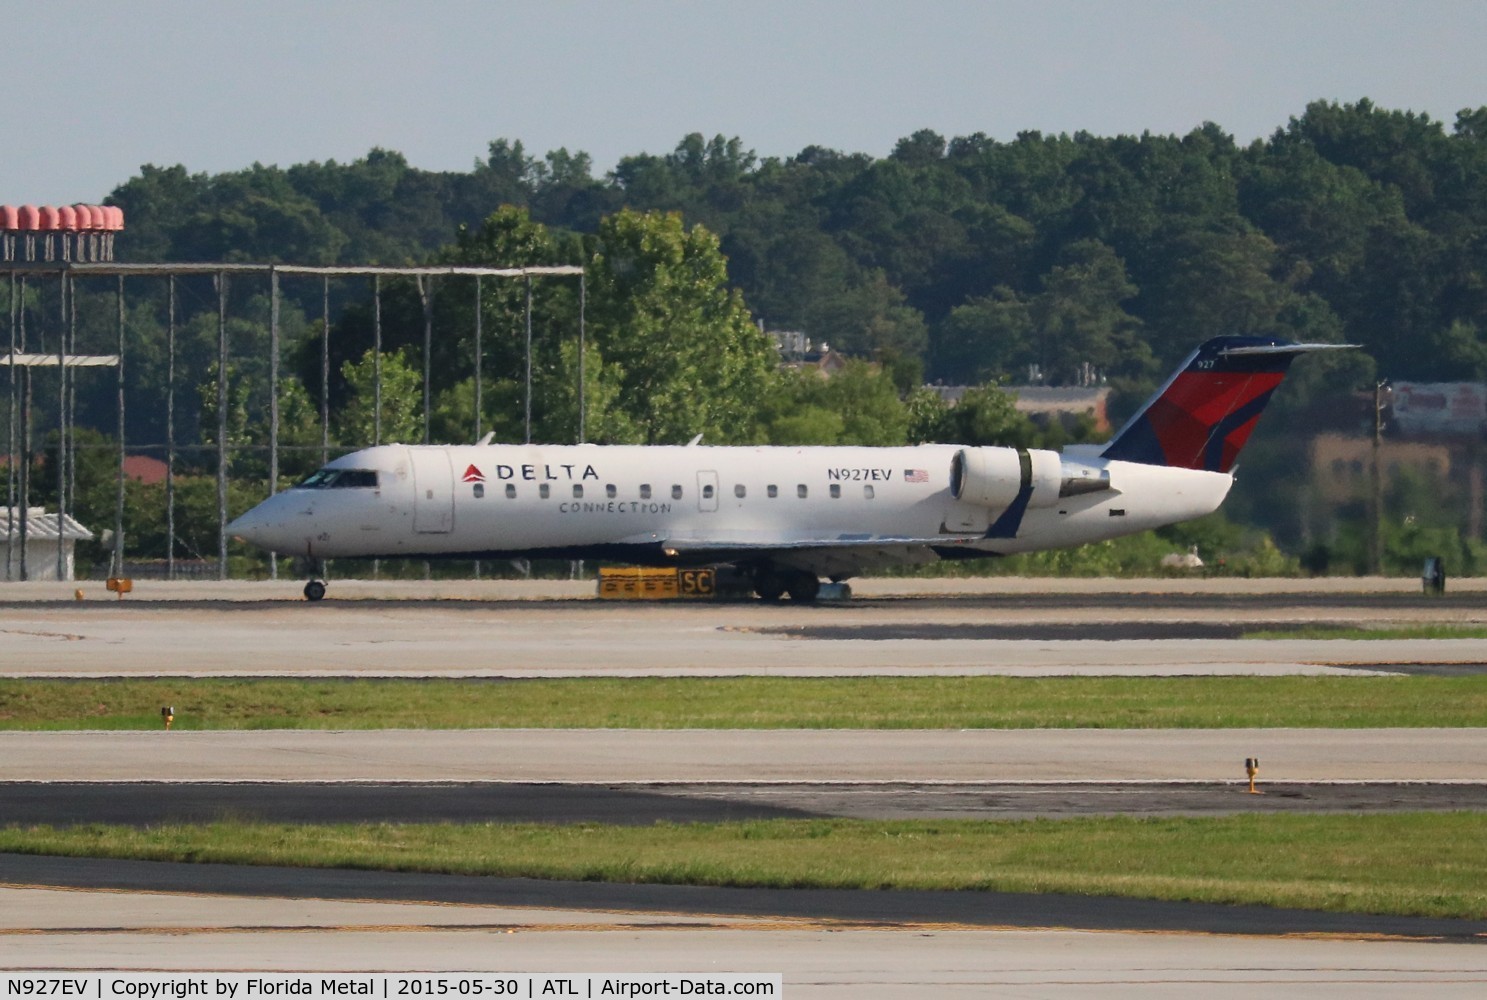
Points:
(772, 584)
(314, 590)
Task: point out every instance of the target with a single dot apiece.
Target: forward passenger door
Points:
(433, 491)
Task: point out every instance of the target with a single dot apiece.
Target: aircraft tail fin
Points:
(1203, 415)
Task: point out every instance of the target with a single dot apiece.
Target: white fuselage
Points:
(697, 503)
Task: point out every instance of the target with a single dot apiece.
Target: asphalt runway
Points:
(135, 804)
(907, 909)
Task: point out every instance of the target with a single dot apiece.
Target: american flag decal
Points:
(916, 476)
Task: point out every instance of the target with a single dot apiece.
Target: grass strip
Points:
(751, 703)
(1413, 864)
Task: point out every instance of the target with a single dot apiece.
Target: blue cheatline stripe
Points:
(1006, 526)
(1213, 453)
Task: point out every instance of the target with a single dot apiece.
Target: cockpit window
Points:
(319, 479)
(341, 479)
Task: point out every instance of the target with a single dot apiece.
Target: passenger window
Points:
(479, 490)
(707, 492)
(772, 491)
(676, 492)
(645, 491)
(577, 491)
(739, 491)
(510, 491)
(867, 491)
(610, 491)
(801, 491)
(836, 491)
(544, 491)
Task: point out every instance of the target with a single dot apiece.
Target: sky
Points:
(100, 88)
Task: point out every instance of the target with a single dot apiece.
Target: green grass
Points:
(752, 703)
(1426, 864)
(1381, 632)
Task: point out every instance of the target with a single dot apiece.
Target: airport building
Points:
(50, 540)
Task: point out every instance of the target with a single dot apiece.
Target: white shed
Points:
(42, 531)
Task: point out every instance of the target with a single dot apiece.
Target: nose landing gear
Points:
(315, 570)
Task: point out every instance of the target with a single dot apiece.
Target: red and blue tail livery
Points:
(1204, 414)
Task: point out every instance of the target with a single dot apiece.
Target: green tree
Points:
(988, 337)
(926, 412)
(1212, 284)
(858, 405)
(508, 237)
(402, 401)
(1078, 318)
(987, 415)
(688, 355)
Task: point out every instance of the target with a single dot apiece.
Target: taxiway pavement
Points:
(605, 756)
(1026, 634)
(162, 922)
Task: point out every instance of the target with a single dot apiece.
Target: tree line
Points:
(967, 260)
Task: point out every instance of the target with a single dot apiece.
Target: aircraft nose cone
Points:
(249, 527)
(264, 526)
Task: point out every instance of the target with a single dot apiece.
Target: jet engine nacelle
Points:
(992, 477)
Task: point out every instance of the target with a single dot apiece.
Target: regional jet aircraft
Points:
(785, 516)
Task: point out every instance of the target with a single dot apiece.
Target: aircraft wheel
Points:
(314, 590)
(804, 588)
(769, 586)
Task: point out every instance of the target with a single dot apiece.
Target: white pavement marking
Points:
(622, 756)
